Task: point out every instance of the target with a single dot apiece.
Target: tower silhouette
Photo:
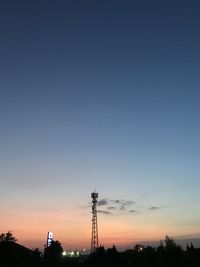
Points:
(94, 239)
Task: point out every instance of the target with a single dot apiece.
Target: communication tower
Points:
(94, 239)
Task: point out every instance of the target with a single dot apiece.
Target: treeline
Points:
(167, 254)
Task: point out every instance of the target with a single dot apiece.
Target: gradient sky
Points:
(99, 94)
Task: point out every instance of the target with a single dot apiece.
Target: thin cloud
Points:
(117, 206)
(135, 212)
(122, 202)
(132, 211)
(155, 208)
(103, 202)
(105, 212)
(111, 208)
(130, 202)
(123, 206)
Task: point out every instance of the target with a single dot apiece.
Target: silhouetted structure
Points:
(94, 239)
(15, 255)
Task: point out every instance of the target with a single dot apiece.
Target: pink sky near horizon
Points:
(73, 228)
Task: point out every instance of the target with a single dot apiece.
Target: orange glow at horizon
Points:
(73, 229)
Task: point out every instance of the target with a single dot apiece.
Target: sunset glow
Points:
(100, 95)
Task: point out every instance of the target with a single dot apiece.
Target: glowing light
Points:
(49, 238)
(64, 253)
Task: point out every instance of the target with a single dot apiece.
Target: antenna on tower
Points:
(94, 239)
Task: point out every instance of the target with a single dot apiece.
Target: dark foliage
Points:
(53, 254)
(7, 237)
(167, 254)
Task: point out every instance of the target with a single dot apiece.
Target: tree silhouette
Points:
(170, 244)
(7, 237)
(100, 251)
(112, 252)
(53, 254)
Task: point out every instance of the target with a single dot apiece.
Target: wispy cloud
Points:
(105, 212)
(155, 208)
(103, 202)
(124, 206)
(111, 208)
(117, 206)
(132, 211)
(120, 203)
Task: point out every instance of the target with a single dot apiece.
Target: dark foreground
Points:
(167, 254)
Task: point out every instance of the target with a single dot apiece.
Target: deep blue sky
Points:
(101, 94)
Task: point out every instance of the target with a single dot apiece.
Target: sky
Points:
(99, 95)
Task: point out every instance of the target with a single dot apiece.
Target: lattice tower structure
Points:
(94, 238)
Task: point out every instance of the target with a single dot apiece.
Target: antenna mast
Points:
(94, 239)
